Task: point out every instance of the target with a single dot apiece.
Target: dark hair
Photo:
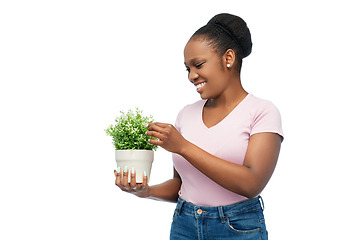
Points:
(225, 31)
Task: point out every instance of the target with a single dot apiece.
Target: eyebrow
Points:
(192, 60)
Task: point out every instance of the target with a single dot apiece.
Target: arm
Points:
(167, 191)
(247, 180)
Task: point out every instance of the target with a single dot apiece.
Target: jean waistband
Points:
(221, 212)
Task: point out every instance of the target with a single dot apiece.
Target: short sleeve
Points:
(267, 118)
(178, 120)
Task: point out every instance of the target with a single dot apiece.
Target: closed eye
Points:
(199, 65)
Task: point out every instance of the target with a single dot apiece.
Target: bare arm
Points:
(167, 191)
(247, 180)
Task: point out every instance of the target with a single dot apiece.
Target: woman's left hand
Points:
(168, 137)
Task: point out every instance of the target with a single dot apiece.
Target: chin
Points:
(203, 97)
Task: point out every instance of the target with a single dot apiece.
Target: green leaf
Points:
(129, 131)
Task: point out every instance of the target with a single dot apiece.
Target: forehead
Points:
(196, 48)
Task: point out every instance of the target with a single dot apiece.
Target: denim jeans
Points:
(243, 220)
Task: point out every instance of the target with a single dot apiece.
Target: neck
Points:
(230, 98)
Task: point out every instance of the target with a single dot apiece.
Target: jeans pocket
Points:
(246, 223)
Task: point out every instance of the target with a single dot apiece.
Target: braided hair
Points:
(225, 31)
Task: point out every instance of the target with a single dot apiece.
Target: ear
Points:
(229, 58)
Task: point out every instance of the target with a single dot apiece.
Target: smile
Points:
(200, 85)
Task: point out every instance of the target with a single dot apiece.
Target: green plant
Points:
(129, 131)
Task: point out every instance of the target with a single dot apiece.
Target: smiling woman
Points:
(206, 68)
(225, 147)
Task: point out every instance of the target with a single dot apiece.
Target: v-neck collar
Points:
(222, 120)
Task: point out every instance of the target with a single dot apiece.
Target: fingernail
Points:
(144, 173)
(132, 170)
(118, 170)
(125, 169)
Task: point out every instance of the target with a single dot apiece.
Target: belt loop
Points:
(262, 203)
(179, 206)
(221, 214)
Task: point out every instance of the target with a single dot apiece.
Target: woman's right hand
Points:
(138, 189)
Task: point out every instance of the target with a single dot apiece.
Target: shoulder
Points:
(256, 101)
(265, 117)
(259, 106)
(188, 112)
(191, 108)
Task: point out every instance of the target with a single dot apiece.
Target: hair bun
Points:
(237, 28)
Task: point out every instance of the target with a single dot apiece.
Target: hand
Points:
(137, 189)
(168, 137)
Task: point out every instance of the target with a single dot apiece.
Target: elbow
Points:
(251, 191)
(250, 194)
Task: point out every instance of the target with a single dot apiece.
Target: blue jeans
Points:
(243, 220)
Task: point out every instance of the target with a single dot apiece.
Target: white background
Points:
(68, 67)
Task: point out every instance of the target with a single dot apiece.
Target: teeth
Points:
(200, 85)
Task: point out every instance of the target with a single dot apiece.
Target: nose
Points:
(193, 76)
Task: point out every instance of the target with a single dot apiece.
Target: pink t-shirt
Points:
(227, 140)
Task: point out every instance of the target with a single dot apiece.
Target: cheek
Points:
(218, 86)
(213, 89)
(217, 80)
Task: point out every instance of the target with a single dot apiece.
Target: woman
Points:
(225, 146)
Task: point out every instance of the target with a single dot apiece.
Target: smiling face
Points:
(207, 71)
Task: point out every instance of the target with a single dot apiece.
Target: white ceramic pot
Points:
(140, 160)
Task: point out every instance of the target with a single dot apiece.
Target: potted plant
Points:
(132, 147)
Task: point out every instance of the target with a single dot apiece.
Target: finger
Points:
(145, 180)
(155, 142)
(125, 177)
(141, 186)
(162, 125)
(158, 127)
(117, 176)
(157, 135)
(154, 124)
(154, 134)
(133, 178)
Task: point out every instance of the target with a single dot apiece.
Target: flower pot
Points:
(140, 160)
